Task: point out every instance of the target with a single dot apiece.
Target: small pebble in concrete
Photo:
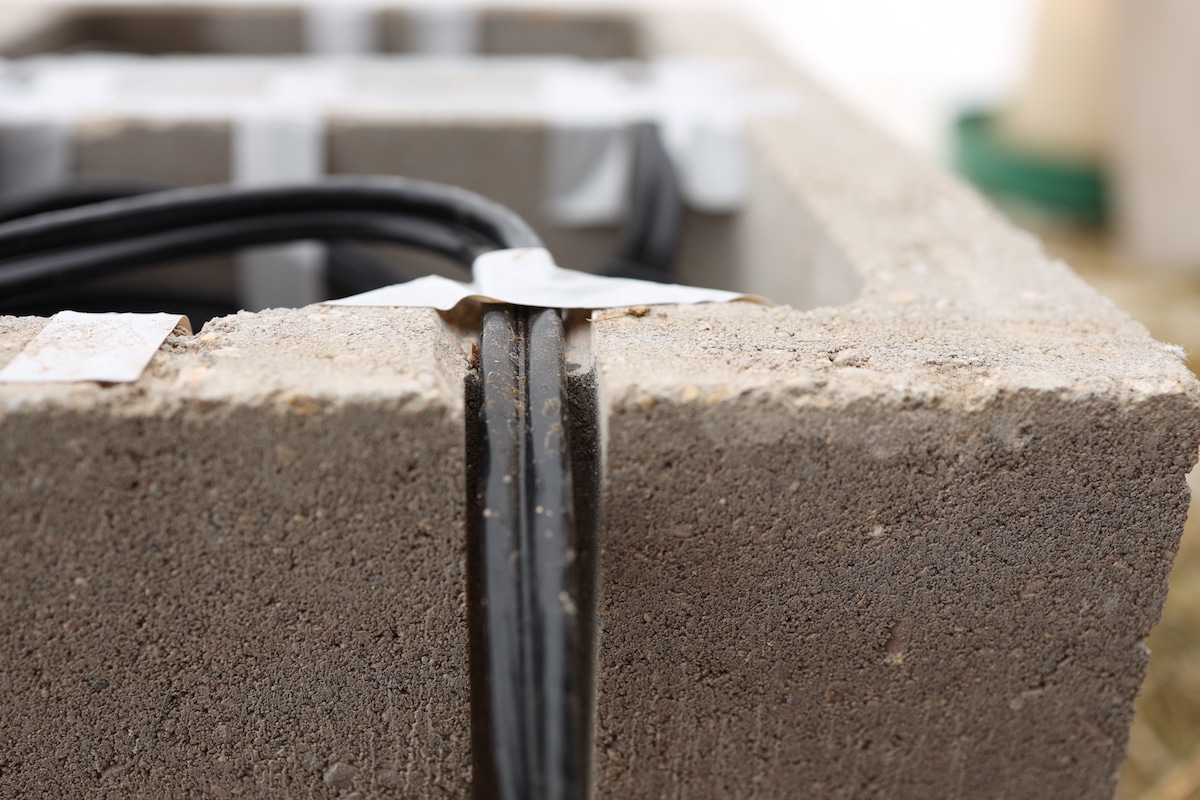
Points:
(849, 357)
(98, 684)
(340, 775)
(387, 777)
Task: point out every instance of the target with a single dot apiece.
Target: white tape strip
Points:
(588, 174)
(701, 112)
(589, 154)
(271, 146)
(34, 155)
(343, 27)
(74, 347)
(444, 30)
(529, 277)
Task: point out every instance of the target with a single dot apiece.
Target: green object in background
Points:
(1075, 191)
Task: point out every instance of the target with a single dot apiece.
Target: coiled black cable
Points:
(525, 571)
(349, 270)
(53, 241)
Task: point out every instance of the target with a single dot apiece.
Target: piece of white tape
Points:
(444, 30)
(588, 174)
(278, 145)
(75, 347)
(701, 112)
(529, 277)
(589, 155)
(343, 27)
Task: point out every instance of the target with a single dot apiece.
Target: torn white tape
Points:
(74, 347)
(271, 146)
(702, 111)
(529, 277)
(346, 27)
(589, 154)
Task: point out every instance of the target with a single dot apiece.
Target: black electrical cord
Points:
(72, 195)
(45, 269)
(124, 225)
(94, 299)
(532, 718)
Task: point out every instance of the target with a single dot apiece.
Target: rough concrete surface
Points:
(906, 547)
(243, 575)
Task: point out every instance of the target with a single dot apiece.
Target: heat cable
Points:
(525, 573)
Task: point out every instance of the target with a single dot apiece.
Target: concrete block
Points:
(902, 537)
(243, 575)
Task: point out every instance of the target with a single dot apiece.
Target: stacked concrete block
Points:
(902, 537)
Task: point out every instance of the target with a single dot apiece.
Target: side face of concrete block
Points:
(243, 571)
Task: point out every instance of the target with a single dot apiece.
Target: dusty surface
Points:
(889, 574)
(243, 575)
(910, 546)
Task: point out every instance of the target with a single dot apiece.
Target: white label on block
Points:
(74, 347)
(444, 30)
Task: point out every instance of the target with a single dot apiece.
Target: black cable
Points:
(88, 298)
(147, 214)
(72, 195)
(528, 699)
(41, 270)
